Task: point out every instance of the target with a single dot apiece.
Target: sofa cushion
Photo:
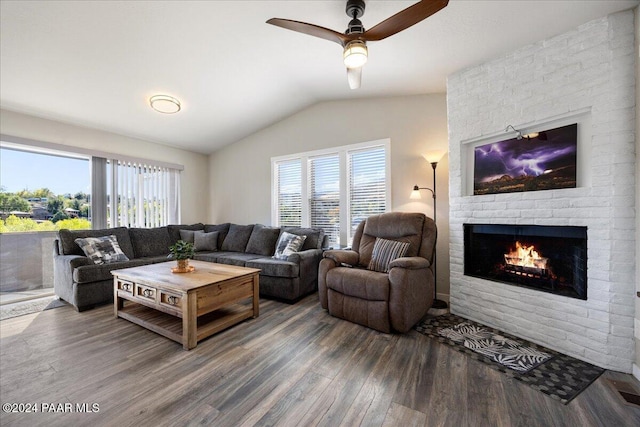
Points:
(263, 240)
(209, 256)
(237, 238)
(174, 230)
(359, 283)
(223, 229)
(288, 244)
(274, 267)
(314, 237)
(236, 258)
(187, 235)
(102, 250)
(385, 251)
(68, 246)
(99, 272)
(205, 242)
(150, 241)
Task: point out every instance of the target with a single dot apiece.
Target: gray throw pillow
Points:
(288, 244)
(237, 238)
(205, 241)
(148, 242)
(385, 251)
(102, 250)
(187, 235)
(263, 240)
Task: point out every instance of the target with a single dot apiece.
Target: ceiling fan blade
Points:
(354, 75)
(310, 29)
(404, 19)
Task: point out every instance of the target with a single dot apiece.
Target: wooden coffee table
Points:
(186, 307)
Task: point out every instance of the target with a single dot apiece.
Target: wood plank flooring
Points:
(293, 366)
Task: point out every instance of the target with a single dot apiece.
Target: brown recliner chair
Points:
(383, 301)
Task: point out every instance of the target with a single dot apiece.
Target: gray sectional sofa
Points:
(84, 284)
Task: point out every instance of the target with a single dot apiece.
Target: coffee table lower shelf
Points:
(171, 326)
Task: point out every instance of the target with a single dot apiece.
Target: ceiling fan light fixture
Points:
(165, 104)
(355, 54)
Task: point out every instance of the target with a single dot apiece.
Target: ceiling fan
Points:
(354, 39)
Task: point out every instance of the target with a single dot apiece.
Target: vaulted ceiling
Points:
(95, 64)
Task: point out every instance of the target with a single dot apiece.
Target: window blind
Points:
(333, 189)
(367, 185)
(289, 192)
(143, 195)
(324, 195)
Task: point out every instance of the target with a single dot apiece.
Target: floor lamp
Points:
(432, 158)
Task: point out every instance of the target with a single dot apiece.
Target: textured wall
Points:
(585, 75)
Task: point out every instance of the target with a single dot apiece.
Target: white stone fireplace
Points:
(585, 76)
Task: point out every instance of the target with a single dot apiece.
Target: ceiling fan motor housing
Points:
(355, 8)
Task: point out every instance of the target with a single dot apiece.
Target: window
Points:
(45, 187)
(289, 193)
(367, 185)
(340, 187)
(142, 195)
(40, 192)
(324, 195)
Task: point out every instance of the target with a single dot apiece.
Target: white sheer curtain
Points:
(143, 195)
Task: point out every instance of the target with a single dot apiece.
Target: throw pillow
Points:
(237, 238)
(150, 242)
(385, 251)
(102, 250)
(263, 240)
(205, 241)
(288, 244)
(187, 235)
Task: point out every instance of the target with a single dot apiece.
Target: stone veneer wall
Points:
(586, 75)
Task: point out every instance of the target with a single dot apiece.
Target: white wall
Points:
(194, 178)
(585, 72)
(240, 173)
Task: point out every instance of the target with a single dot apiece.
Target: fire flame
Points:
(525, 256)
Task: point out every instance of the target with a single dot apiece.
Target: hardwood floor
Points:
(294, 365)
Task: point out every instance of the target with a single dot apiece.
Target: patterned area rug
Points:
(559, 376)
(507, 352)
(8, 311)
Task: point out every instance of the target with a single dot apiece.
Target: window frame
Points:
(343, 153)
(98, 201)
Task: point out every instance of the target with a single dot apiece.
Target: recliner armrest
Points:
(342, 256)
(412, 263)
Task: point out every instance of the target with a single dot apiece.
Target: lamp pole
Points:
(438, 304)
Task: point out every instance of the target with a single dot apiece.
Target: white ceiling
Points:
(95, 64)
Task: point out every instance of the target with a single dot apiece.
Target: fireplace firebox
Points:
(546, 258)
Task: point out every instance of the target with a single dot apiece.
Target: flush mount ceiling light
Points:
(164, 104)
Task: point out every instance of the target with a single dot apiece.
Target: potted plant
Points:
(181, 251)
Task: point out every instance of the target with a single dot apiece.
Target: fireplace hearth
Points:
(546, 258)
